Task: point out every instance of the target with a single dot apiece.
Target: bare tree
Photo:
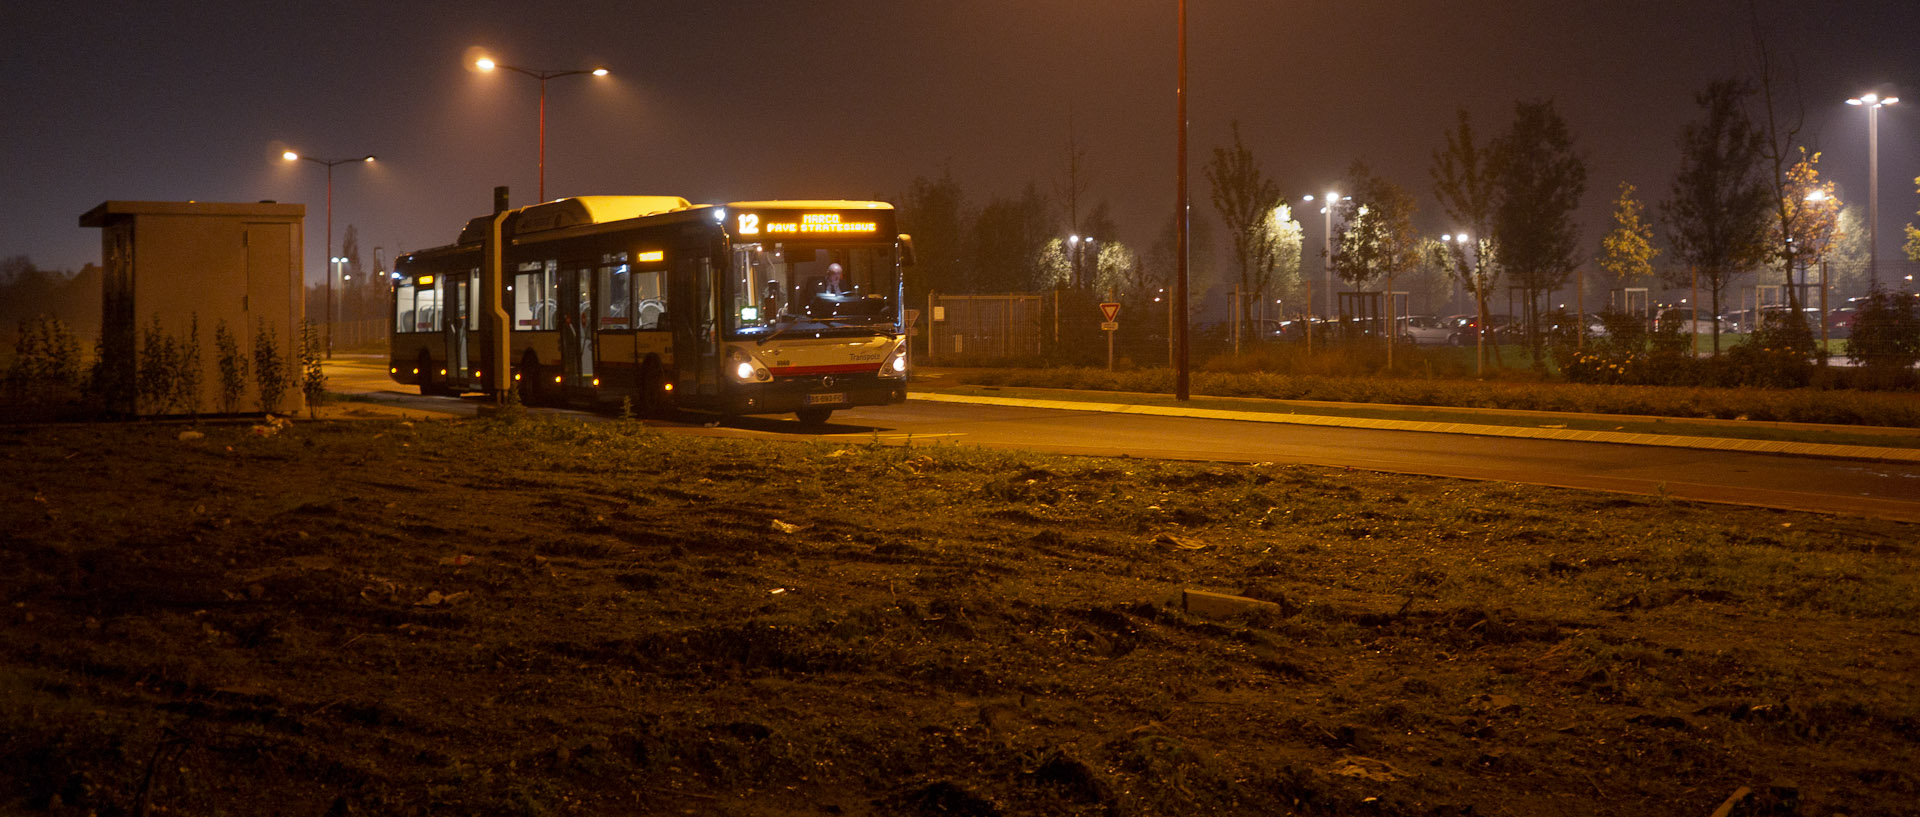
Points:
(1464, 180)
(1540, 182)
(1782, 131)
(1718, 212)
(1246, 200)
(1068, 192)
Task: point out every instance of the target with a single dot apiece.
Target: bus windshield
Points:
(777, 288)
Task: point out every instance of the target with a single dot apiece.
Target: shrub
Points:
(1779, 354)
(1885, 341)
(233, 368)
(313, 381)
(186, 382)
(46, 363)
(156, 383)
(269, 368)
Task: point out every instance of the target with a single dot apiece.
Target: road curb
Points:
(1828, 450)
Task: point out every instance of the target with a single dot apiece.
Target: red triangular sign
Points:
(1112, 311)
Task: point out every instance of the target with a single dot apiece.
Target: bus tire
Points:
(425, 378)
(813, 416)
(653, 396)
(532, 391)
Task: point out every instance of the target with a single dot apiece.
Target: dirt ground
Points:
(493, 617)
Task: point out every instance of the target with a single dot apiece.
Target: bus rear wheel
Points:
(813, 416)
(425, 367)
(653, 391)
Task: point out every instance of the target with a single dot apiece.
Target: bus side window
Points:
(616, 297)
(650, 300)
(533, 298)
(403, 306)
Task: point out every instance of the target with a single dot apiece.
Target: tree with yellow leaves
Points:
(1913, 233)
(1809, 222)
(1627, 250)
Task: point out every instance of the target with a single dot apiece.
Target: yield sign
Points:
(1111, 311)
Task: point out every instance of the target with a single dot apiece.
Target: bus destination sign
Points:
(821, 224)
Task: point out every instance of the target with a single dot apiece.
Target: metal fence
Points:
(982, 326)
(359, 334)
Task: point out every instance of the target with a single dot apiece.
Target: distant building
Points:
(204, 262)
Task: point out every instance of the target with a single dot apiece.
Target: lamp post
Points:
(1181, 377)
(487, 64)
(294, 157)
(1326, 249)
(1873, 103)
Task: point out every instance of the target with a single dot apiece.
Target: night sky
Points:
(721, 101)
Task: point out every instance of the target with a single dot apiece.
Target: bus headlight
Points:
(896, 363)
(745, 369)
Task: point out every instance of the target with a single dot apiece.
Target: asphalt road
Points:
(1874, 489)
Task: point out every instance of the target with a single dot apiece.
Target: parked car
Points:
(1428, 330)
(1840, 322)
(1688, 324)
(1290, 329)
(1466, 328)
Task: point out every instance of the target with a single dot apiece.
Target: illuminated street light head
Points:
(484, 64)
(599, 72)
(290, 156)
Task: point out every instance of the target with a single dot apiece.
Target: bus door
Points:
(696, 335)
(576, 327)
(459, 320)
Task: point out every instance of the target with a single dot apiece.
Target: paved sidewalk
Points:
(1278, 413)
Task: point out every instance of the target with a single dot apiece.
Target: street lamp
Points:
(487, 64)
(294, 157)
(1326, 208)
(1873, 103)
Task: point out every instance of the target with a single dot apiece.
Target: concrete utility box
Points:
(215, 262)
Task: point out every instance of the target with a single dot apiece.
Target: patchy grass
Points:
(553, 618)
(1892, 409)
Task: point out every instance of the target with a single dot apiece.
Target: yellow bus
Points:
(756, 307)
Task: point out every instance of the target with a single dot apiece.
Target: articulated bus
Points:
(760, 307)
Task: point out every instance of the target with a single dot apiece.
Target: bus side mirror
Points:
(906, 250)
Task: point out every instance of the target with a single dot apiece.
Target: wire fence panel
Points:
(984, 326)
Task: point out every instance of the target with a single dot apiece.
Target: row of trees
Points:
(1747, 199)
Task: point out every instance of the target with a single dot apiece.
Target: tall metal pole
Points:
(293, 156)
(543, 138)
(1180, 383)
(1873, 195)
(1873, 103)
(1326, 251)
(329, 260)
(487, 64)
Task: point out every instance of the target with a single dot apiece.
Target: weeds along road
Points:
(1822, 485)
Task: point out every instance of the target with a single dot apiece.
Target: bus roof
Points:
(812, 204)
(577, 210)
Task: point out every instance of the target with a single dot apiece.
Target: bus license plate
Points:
(826, 399)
